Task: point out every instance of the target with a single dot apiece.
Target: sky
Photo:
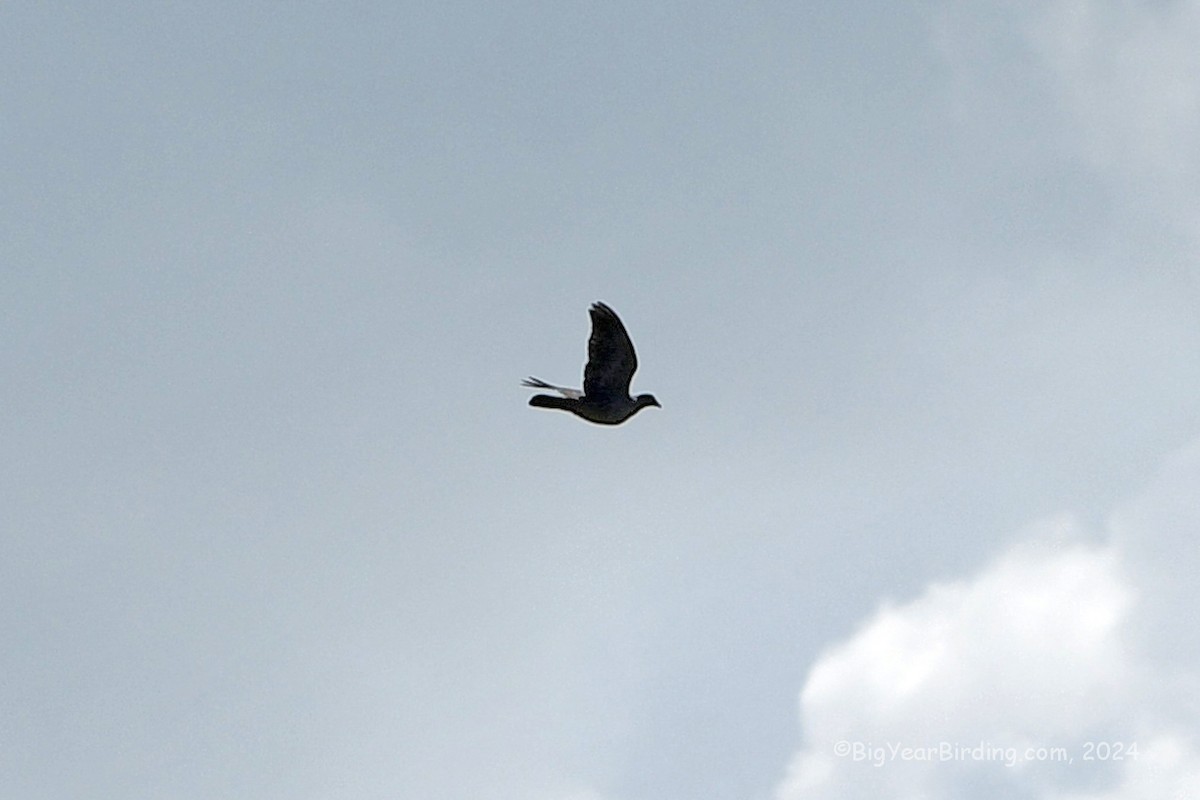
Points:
(916, 286)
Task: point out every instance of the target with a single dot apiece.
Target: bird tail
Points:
(550, 401)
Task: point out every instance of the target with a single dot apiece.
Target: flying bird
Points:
(610, 366)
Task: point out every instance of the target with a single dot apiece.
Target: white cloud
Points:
(1118, 80)
(1168, 767)
(1047, 647)
(1157, 532)
(1128, 74)
(1074, 636)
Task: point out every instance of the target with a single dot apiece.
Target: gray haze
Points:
(916, 285)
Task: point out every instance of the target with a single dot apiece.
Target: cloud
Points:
(1052, 673)
(1113, 83)
(1067, 667)
(1127, 72)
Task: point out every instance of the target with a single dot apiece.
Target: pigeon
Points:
(611, 363)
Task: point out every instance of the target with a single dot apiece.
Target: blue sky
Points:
(915, 285)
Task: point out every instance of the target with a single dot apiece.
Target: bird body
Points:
(611, 363)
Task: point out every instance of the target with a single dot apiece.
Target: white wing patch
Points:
(536, 383)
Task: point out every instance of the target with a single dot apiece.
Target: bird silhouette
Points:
(610, 366)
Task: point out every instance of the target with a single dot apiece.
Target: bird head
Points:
(647, 400)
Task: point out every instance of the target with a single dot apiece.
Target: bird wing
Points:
(611, 360)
